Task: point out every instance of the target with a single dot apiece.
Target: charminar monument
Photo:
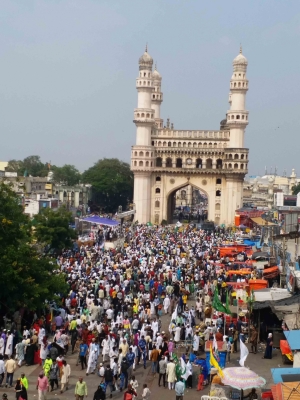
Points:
(165, 160)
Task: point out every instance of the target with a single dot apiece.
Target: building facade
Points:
(164, 160)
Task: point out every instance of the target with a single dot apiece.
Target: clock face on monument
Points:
(189, 161)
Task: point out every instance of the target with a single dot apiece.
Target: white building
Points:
(270, 189)
(165, 160)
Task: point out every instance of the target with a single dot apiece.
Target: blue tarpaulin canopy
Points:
(248, 242)
(95, 219)
(293, 338)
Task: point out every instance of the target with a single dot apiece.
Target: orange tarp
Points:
(224, 251)
(239, 271)
(256, 284)
(270, 270)
(245, 262)
(230, 250)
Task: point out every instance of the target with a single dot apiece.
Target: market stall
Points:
(241, 379)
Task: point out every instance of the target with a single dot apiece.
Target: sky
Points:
(68, 70)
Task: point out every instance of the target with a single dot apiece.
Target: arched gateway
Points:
(187, 202)
(165, 161)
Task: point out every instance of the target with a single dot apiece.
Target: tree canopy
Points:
(67, 174)
(27, 278)
(52, 229)
(31, 165)
(112, 183)
(296, 189)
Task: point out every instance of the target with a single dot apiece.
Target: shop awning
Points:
(262, 222)
(268, 297)
(271, 272)
(95, 219)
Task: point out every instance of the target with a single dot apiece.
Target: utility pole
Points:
(283, 258)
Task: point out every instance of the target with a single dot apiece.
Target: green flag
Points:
(227, 304)
(216, 304)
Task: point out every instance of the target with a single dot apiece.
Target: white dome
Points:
(240, 59)
(146, 58)
(156, 75)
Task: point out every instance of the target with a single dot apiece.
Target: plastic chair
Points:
(214, 398)
(223, 398)
(205, 397)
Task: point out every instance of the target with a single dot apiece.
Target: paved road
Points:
(254, 362)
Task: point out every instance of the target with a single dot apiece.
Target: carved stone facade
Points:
(165, 160)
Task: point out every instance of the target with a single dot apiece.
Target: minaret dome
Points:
(146, 61)
(240, 62)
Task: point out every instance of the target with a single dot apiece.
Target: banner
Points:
(216, 304)
(213, 362)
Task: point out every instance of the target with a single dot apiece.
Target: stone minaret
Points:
(157, 98)
(237, 116)
(142, 156)
(237, 120)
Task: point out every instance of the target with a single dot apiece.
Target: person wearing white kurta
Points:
(9, 345)
(105, 347)
(94, 346)
(112, 342)
(113, 353)
(44, 351)
(92, 362)
(188, 331)
(159, 341)
(20, 353)
(154, 327)
(1, 346)
(42, 333)
(166, 304)
(65, 374)
(171, 374)
(196, 343)
(177, 334)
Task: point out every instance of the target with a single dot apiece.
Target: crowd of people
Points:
(112, 316)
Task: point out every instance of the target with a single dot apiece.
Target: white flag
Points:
(244, 353)
(215, 344)
(185, 371)
(174, 315)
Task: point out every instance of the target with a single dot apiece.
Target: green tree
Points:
(26, 278)
(34, 166)
(112, 183)
(67, 174)
(296, 189)
(31, 165)
(52, 229)
(14, 166)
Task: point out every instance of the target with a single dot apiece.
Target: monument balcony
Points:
(187, 134)
(237, 149)
(190, 150)
(205, 171)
